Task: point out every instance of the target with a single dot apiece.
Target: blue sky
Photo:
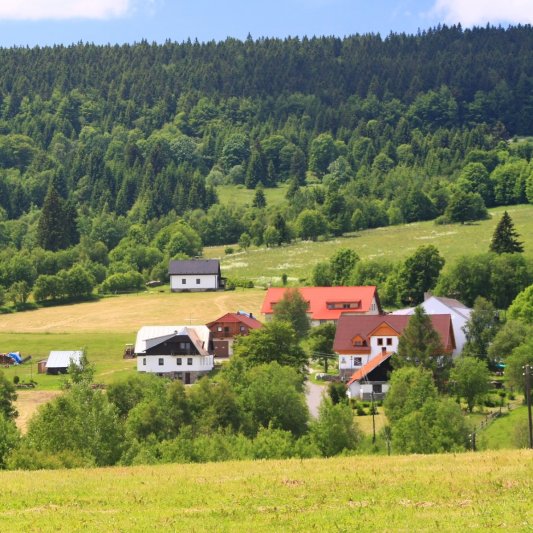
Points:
(46, 22)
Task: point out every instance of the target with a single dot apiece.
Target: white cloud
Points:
(63, 9)
(479, 12)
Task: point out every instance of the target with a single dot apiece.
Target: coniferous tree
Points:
(57, 225)
(421, 346)
(259, 197)
(505, 237)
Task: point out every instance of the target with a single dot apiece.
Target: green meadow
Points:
(266, 265)
(239, 195)
(481, 491)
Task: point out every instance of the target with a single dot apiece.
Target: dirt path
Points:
(28, 402)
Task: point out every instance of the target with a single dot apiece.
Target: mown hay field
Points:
(469, 491)
(266, 265)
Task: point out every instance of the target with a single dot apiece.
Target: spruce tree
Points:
(259, 197)
(505, 237)
(51, 226)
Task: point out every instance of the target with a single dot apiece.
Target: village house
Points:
(227, 327)
(438, 305)
(365, 345)
(59, 360)
(178, 352)
(327, 304)
(195, 275)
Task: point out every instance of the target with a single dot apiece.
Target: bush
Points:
(123, 282)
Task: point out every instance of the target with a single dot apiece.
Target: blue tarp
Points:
(16, 357)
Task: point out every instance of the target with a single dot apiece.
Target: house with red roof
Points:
(365, 345)
(327, 304)
(227, 327)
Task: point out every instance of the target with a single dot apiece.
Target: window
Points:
(178, 361)
(243, 328)
(389, 342)
(184, 345)
(161, 361)
(378, 388)
(189, 361)
(197, 281)
(183, 281)
(180, 375)
(380, 342)
(144, 361)
(219, 328)
(226, 329)
(357, 361)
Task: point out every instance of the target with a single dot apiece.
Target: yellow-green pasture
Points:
(469, 491)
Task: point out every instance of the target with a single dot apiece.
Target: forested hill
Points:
(111, 157)
(489, 71)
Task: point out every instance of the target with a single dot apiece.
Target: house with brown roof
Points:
(365, 345)
(227, 327)
(327, 304)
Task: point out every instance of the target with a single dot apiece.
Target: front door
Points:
(187, 378)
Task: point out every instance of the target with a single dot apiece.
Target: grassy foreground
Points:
(393, 243)
(443, 492)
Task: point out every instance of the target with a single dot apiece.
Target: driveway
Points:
(314, 394)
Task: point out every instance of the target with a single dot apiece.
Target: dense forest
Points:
(110, 156)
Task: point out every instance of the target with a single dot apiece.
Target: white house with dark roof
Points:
(195, 275)
(438, 305)
(180, 352)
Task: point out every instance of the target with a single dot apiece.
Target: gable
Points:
(384, 330)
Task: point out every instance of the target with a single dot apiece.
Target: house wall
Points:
(363, 391)
(207, 282)
(150, 363)
(432, 306)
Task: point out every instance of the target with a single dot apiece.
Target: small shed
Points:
(59, 361)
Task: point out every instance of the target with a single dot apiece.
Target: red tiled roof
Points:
(358, 375)
(251, 322)
(319, 297)
(349, 326)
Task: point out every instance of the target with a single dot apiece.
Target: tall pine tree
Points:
(505, 237)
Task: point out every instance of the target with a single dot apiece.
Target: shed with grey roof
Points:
(59, 360)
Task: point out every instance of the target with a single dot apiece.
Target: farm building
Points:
(227, 327)
(195, 275)
(365, 345)
(180, 352)
(59, 361)
(434, 305)
(327, 304)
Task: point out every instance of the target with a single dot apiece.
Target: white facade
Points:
(363, 391)
(446, 306)
(378, 345)
(165, 364)
(193, 282)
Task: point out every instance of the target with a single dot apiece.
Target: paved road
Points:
(313, 394)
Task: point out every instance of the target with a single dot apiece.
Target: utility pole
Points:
(527, 375)
(373, 420)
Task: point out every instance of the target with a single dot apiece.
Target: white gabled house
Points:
(366, 344)
(438, 305)
(179, 352)
(195, 275)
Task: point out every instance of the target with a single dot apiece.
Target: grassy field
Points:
(499, 434)
(266, 265)
(239, 195)
(417, 493)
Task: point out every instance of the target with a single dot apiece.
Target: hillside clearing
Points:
(266, 265)
(449, 492)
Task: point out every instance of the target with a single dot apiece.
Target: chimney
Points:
(427, 295)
